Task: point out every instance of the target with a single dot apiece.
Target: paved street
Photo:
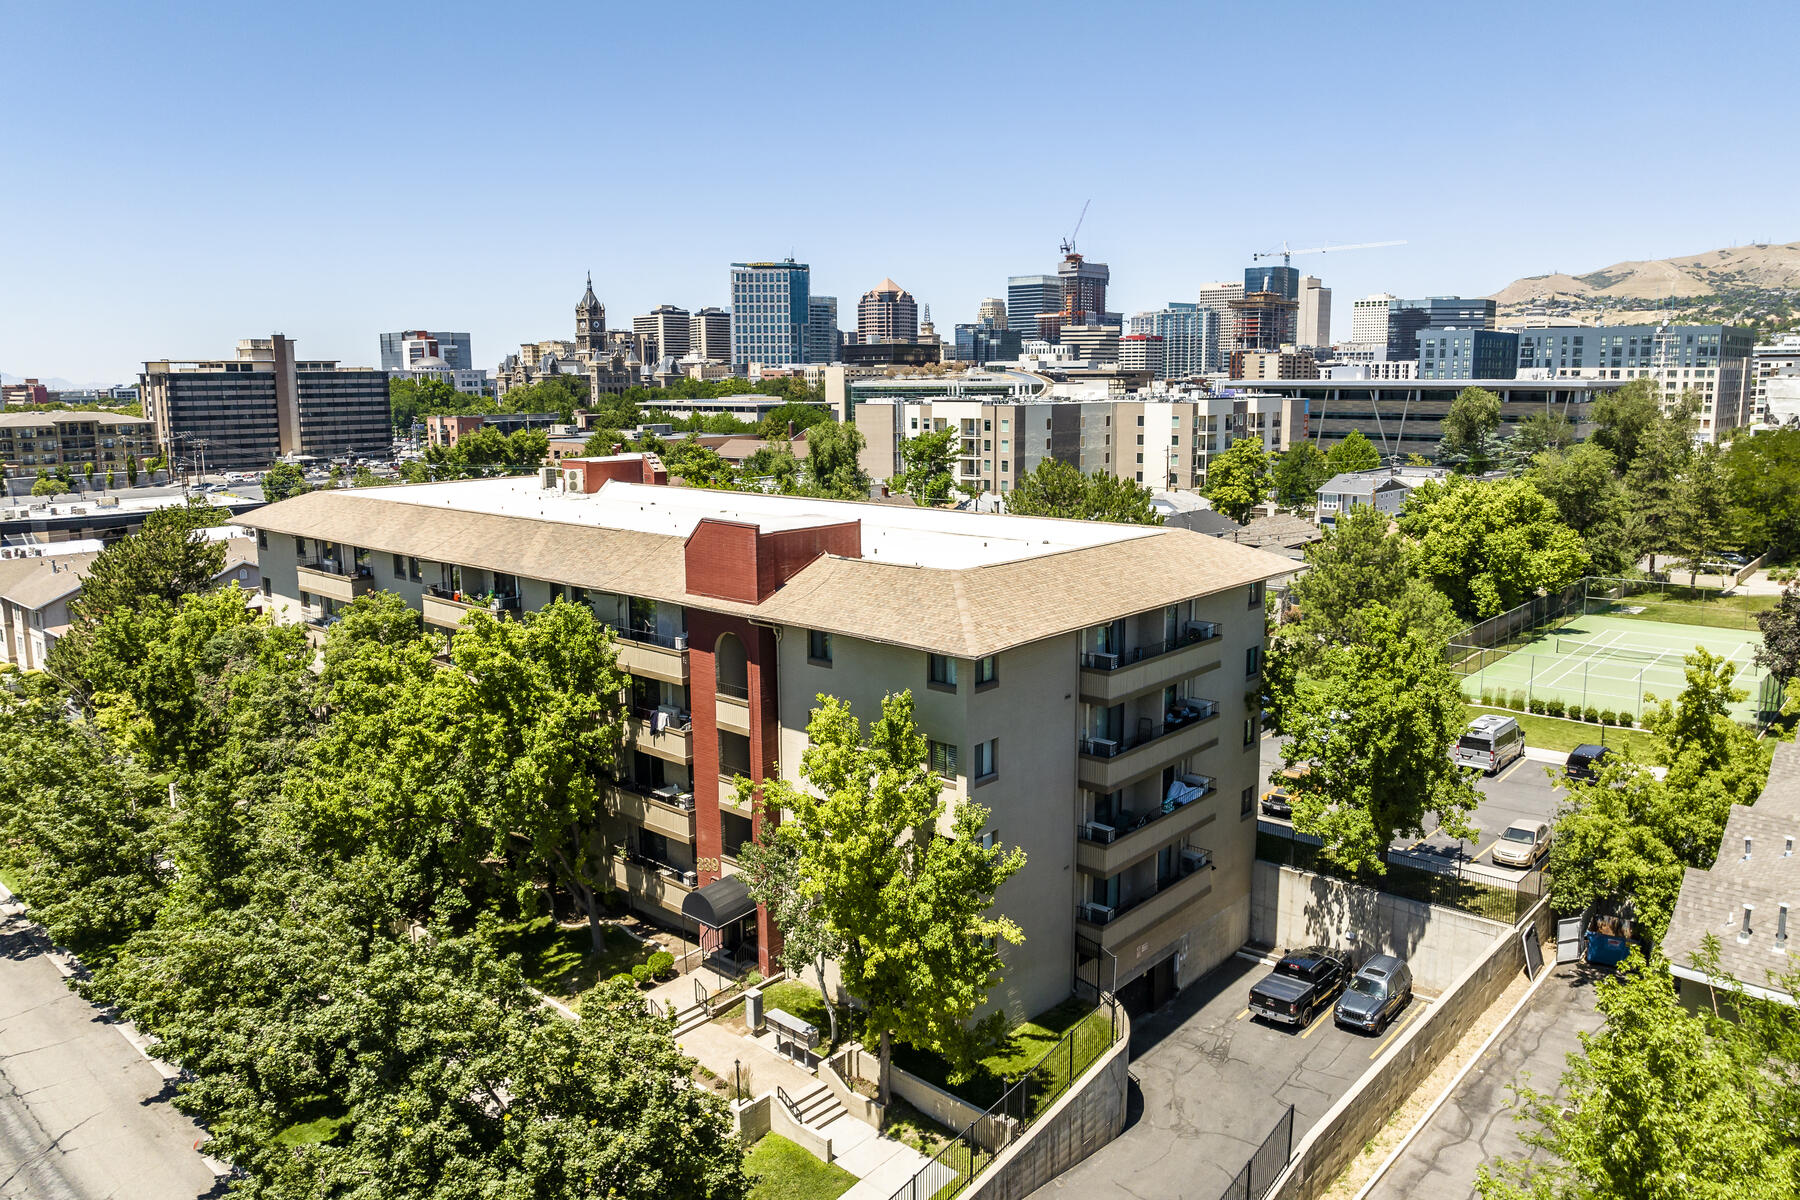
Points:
(1211, 1081)
(1476, 1124)
(82, 1114)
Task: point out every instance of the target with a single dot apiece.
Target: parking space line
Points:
(1318, 1021)
(1395, 1031)
(1476, 857)
(1507, 774)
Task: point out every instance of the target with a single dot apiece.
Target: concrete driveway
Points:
(1211, 1081)
(1476, 1123)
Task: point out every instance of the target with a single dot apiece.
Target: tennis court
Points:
(1615, 663)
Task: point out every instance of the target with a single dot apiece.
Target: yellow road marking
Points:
(1507, 774)
(1476, 857)
(1398, 1026)
(1241, 1015)
(1320, 1020)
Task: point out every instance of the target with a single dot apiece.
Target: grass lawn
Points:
(1556, 733)
(796, 999)
(1028, 1043)
(1725, 612)
(781, 1170)
(911, 1127)
(9, 880)
(559, 960)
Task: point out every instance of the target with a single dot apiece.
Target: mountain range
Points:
(1739, 282)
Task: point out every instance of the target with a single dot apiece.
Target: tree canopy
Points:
(1298, 473)
(928, 465)
(1055, 489)
(1238, 479)
(1355, 453)
(1489, 545)
(1471, 430)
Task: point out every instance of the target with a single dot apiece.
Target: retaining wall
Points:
(1330, 1145)
(1291, 908)
(1086, 1117)
(838, 1071)
(952, 1112)
(767, 1114)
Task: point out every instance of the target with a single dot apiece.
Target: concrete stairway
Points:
(819, 1108)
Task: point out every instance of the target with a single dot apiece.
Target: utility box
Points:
(753, 1009)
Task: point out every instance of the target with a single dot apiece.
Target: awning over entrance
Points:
(719, 903)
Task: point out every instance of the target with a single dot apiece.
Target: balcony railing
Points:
(648, 635)
(496, 602)
(1188, 712)
(331, 566)
(676, 722)
(682, 875)
(737, 691)
(1192, 860)
(1196, 632)
(1105, 833)
(672, 794)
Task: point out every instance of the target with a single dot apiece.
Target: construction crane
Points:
(1068, 245)
(1287, 254)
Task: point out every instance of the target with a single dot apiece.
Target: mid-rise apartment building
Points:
(31, 441)
(1714, 362)
(1158, 439)
(1778, 359)
(1190, 334)
(1286, 363)
(1143, 352)
(665, 332)
(709, 335)
(246, 412)
(1108, 725)
(1468, 354)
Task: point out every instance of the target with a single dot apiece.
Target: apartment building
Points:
(244, 413)
(31, 441)
(1714, 362)
(1775, 360)
(1092, 685)
(1159, 439)
(709, 335)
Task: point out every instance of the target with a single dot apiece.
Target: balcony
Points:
(1108, 848)
(663, 732)
(666, 810)
(645, 879)
(1107, 764)
(1109, 678)
(446, 608)
(732, 712)
(652, 655)
(728, 800)
(325, 577)
(1130, 920)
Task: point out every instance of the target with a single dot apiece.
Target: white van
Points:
(1490, 742)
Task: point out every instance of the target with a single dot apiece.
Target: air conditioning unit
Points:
(1104, 834)
(1202, 630)
(1105, 662)
(1203, 782)
(1193, 859)
(667, 792)
(681, 641)
(1102, 747)
(690, 878)
(1097, 914)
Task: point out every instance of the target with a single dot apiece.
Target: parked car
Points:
(1376, 995)
(1585, 761)
(1302, 984)
(1278, 801)
(1523, 844)
(1490, 742)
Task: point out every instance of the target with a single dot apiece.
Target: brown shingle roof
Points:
(31, 583)
(967, 612)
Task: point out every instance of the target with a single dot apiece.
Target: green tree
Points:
(364, 478)
(1653, 477)
(1298, 473)
(1471, 430)
(1779, 653)
(1583, 484)
(45, 485)
(1354, 453)
(602, 442)
(411, 399)
(334, 478)
(284, 480)
(928, 467)
(1701, 512)
(87, 473)
(1055, 489)
(1655, 1107)
(799, 416)
(771, 870)
(1238, 479)
(1623, 416)
(109, 479)
(1490, 545)
(1374, 721)
(832, 467)
(910, 903)
(1544, 431)
(700, 465)
(1762, 479)
(1360, 566)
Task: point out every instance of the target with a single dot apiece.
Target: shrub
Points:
(1554, 708)
(1487, 699)
(1593, 714)
(661, 964)
(640, 973)
(1537, 705)
(1518, 701)
(1607, 717)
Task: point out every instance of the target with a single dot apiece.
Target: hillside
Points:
(1757, 284)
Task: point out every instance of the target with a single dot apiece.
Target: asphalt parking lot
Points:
(1210, 1082)
(1523, 791)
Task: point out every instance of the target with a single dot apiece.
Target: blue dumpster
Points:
(1606, 950)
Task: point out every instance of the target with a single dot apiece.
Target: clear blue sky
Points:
(180, 176)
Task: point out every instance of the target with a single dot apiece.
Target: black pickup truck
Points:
(1303, 983)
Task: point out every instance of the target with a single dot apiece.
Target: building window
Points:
(1252, 660)
(943, 759)
(1250, 730)
(818, 647)
(1256, 594)
(399, 566)
(987, 757)
(987, 670)
(1247, 801)
(941, 670)
(262, 539)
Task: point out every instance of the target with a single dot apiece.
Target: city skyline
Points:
(225, 190)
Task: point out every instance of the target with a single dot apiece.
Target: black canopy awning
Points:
(719, 903)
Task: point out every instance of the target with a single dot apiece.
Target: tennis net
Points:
(1595, 650)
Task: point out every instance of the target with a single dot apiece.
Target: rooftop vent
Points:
(1746, 849)
(1744, 930)
(1781, 927)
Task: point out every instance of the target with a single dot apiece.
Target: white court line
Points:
(1581, 661)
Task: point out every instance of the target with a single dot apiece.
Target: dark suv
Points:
(1585, 761)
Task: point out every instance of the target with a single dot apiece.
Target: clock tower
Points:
(590, 322)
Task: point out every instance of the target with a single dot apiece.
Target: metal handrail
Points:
(793, 1109)
(1204, 710)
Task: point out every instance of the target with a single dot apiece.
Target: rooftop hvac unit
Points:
(1104, 834)
(1097, 914)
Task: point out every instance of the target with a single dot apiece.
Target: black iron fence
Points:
(1261, 1168)
(1025, 1100)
